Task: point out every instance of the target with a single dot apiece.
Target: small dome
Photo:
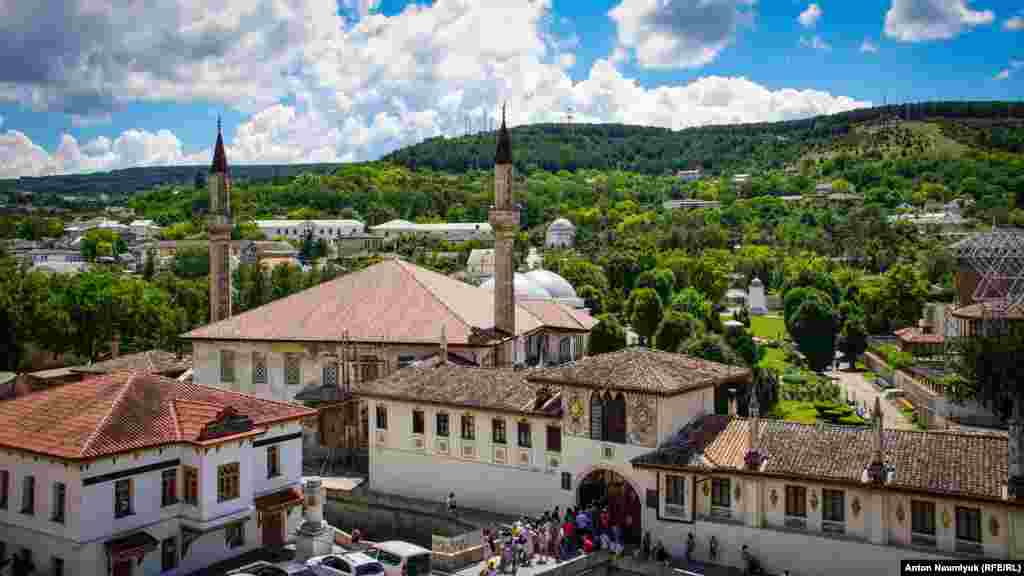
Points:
(524, 288)
(562, 224)
(756, 282)
(554, 284)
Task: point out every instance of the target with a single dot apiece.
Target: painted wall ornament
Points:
(814, 500)
(946, 519)
(774, 497)
(706, 489)
(576, 413)
(993, 526)
(738, 492)
(641, 413)
(899, 513)
(855, 506)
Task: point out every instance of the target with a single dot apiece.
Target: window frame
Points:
(259, 368)
(445, 430)
(273, 461)
(829, 498)
(524, 435)
(227, 365)
(190, 475)
(795, 504)
(5, 489)
(330, 370)
(675, 491)
(499, 431)
(920, 509)
(556, 433)
(419, 422)
(381, 417)
(59, 504)
(124, 502)
(168, 487)
(467, 427)
(292, 365)
(721, 492)
(28, 495)
(229, 479)
(963, 536)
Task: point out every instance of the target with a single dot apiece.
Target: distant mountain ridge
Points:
(721, 148)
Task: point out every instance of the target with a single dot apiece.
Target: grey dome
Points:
(561, 224)
(756, 282)
(524, 288)
(554, 284)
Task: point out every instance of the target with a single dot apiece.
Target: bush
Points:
(852, 420)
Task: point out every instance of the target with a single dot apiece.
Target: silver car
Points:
(353, 564)
(262, 568)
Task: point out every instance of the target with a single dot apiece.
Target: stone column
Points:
(315, 536)
(313, 512)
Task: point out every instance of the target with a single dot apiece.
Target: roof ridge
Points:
(110, 413)
(243, 394)
(402, 266)
(175, 423)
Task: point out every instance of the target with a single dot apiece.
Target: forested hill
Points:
(901, 130)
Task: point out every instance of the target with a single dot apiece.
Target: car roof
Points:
(293, 567)
(358, 558)
(401, 548)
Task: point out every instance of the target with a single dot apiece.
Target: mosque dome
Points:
(524, 288)
(552, 283)
(756, 282)
(562, 224)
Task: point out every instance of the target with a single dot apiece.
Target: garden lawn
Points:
(774, 359)
(795, 411)
(769, 327)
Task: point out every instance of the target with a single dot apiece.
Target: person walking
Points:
(451, 503)
(691, 543)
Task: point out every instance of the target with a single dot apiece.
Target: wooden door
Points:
(273, 529)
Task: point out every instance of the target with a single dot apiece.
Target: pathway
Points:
(863, 391)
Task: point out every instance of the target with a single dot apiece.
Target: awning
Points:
(132, 546)
(287, 498)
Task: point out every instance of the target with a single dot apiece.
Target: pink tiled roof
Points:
(393, 301)
(125, 410)
(916, 336)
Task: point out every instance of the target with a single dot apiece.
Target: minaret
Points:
(754, 456)
(876, 472)
(219, 231)
(504, 218)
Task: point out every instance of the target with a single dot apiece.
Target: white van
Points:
(401, 558)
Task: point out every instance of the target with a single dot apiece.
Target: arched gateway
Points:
(608, 488)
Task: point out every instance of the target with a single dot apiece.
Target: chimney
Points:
(115, 345)
(754, 456)
(732, 401)
(876, 472)
(444, 347)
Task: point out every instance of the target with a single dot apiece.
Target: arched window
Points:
(596, 416)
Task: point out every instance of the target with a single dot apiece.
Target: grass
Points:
(775, 360)
(769, 327)
(795, 411)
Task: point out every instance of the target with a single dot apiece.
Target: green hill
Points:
(882, 132)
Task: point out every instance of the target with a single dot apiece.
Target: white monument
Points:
(756, 299)
(315, 536)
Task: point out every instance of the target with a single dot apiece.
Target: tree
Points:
(743, 344)
(664, 283)
(794, 298)
(23, 310)
(200, 181)
(608, 335)
(645, 312)
(592, 298)
(676, 328)
(101, 242)
(712, 347)
(987, 369)
(814, 331)
(742, 315)
(149, 265)
(853, 337)
(192, 262)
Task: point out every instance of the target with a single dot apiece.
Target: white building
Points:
(690, 175)
(480, 265)
(329, 230)
(451, 231)
(540, 284)
(136, 474)
(560, 234)
(144, 229)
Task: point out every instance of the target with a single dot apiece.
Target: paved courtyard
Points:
(865, 392)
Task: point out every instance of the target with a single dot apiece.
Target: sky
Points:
(96, 85)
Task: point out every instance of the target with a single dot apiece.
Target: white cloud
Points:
(1014, 24)
(567, 60)
(923, 20)
(816, 43)
(1005, 73)
(365, 88)
(680, 33)
(867, 46)
(809, 17)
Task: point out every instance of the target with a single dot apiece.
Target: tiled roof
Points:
(978, 311)
(936, 462)
(122, 411)
(392, 301)
(155, 361)
(642, 369)
(915, 336)
(556, 315)
(502, 389)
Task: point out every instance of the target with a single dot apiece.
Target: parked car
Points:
(352, 564)
(401, 558)
(262, 568)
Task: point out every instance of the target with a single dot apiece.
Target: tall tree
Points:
(676, 328)
(608, 335)
(814, 330)
(645, 313)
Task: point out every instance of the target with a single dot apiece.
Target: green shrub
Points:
(852, 420)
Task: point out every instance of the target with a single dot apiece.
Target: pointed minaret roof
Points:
(220, 159)
(504, 153)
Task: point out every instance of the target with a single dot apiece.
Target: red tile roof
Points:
(155, 361)
(942, 463)
(125, 410)
(392, 301)
(914, 335)
(642, 369)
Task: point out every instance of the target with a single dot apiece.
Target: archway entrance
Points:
(609, 489)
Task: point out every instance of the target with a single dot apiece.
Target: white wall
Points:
(677, 411)
(290, 461)
(46, 473)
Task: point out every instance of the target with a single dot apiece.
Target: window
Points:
(405, 360)
(227, 481)
(227, 365)
(5, 488)
(191, 486)
(721, 495)
(382, 417)
(169, 487)
(566, 481)
(330, 375)
(59, 502)
(273, 461)
(418, 420)
(292, 369)
(922, 517)
(525, 439)
(169, 553)
(554, 438)
(28, 495)
(833, 506)
(968, 524)
(259, 368)
(123, 498)
(675, 491)
(234, 534)
(608, 417)
(564, 350)
(796, 501)
(57, 566)
(468, 428)
(368, 368)
(498, 427)
(442, 425)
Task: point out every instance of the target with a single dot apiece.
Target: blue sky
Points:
(344, 80)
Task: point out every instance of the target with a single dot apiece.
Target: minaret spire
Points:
(504, 219)
(219, 231)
